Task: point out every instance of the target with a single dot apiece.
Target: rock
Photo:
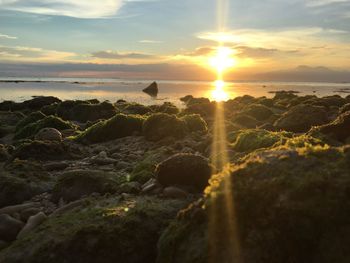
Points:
(301, 118)
(4, 155)
(108, 230)
(31, 118)
(3, 244)
(339, 129)
(49, 134)
(9, 227)
(257, 111)
(55, 166)
(245, 121)
(174, 192)
(130, 187)
(195, 123)
(152, 89)
(38, 102)
(184, 169)
(32, 223)
(26, 213)
(287, 201)
(17, 208)
(102, 159)
(344, 108)
(161, 125)
(135, 108)
(166, 107)
(30, 130)
(42, 150)
(73, 185)
(65, 208)
(117, 127)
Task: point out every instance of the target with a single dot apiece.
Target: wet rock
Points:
(257, 111)
(135, 108)
(9, 227)
(31, 118)
(174, 192)
(117, 127)
(38, 102)
(42, 150)
(49, 134)
(166, 107)
(195, 123)
(152, 89)
(27, 213)
(339, 129)
(73, 185)
(108, 230)
(30, 130)
(161, 125)
(184, 169)
(301, 118)
(31, 224)
(245, 121)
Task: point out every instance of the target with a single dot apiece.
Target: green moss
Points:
(135, 108)
(50, 109)
(31, 118)
(250, 140)
(162, 125)
(195, 123)
(105, 230)
(119, 126)
(166, 107)
(31, 129)
(258, 111)
(287, 202)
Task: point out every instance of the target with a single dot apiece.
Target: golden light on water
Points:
(218, 93)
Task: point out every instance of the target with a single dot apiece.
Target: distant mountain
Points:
(307, 74)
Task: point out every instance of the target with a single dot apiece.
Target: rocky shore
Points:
(90, 181)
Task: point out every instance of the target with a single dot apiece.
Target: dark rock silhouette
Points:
(152, 89)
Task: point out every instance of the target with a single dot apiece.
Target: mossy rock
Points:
(161, 125)
(344, 108)
(43, 151)
(258, 111)
(195, 123)
(73, 185)
(339, 129)
(301, 118)
(251, 140)
(289, 204)
(135, 108)
(31, 129)
(184, 170)
(245, 121)
(8, 118)
(104, 231)
(50, 109)
(38, 102)
(119, 126)
(328, 101)
(31, 118)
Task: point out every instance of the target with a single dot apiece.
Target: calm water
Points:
(131, 90)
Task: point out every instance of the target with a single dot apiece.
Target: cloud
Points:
(116, 55)
(148, 41)
(31, 53)
(324, 2)
(7, 36)
(71, 8)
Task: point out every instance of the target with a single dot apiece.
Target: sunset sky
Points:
(167, 39)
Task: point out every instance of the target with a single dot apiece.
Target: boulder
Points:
(32, 223)
(152, 89)
(257, 111)
(31, 118)
(185, 170)
(73, 185)
(49, 134)
(174, 192)
(119, 126)
(105, 231)
(301, 118)
(162, 125)
(9, 227)
(195, 123)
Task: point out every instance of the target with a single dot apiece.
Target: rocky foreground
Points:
(90, 181)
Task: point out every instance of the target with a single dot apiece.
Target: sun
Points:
(223, 59)
(218, 93)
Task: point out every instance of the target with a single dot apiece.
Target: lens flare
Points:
(219, 93)
(223, 59)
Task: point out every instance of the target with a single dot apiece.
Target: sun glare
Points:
(219, 94)
(223, 59)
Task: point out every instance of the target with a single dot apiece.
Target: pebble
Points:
(49, 134)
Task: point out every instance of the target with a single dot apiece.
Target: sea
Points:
(20, 89)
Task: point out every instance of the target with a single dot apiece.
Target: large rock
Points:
(31, 129)
(162, 125)
(258, 111)
(73, 185)
(301, 118)
(339, 129)
(31, 118)
(152, 89)
(117, 127)
(195, 123)
(276, 205)
(49, 134)
(184, 169)
(9, 227)
(105, 231)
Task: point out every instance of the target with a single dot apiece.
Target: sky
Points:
(166, 39)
